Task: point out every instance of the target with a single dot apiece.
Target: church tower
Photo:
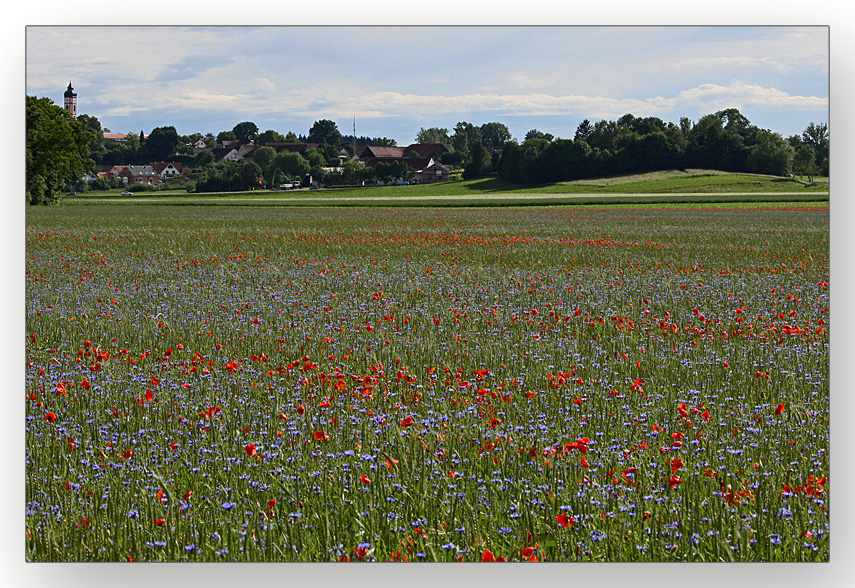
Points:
(71, 101)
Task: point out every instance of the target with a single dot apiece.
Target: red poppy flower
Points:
(780, 409)
(301, 409)
(629, 471)
(250, 450)
(128, 453)
(676, 464)
(674, 481)
(565, 521)
(50, 417)
(188, 494)
(494, 422)
(365, 479)
(160, 522)
(489, 557)
(319, 436)
(407, 422)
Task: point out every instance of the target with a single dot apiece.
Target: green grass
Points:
(658, 183)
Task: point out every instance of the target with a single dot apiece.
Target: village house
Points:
(139, 174)
(166, 169)
(235, 151)
(426, 170)
(421, 158)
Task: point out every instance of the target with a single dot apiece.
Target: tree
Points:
(269, 136)
(479, 162)
(325, 131)
(584, 129)
(466, 135)
(57, 150)
(535, 134)
(97, 148)
(770, 154)
(224, 136)
(160, 144)
(263, 157)
(434, 135)
(245, 132)
(203, 158)
(291, 137)
(734, 121)
(293, 165)
(250, 174)
(816, 136)
(711, 146)
(494, 134)
(804, 162)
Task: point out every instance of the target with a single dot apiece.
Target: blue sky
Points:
(398, 79)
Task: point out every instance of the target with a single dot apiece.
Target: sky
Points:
(395, 80)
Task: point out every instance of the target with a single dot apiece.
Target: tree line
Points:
(723, 141)
(61, 149)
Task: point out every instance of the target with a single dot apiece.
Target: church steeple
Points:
(70, 101)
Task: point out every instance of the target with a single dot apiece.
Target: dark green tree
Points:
(325, 131)
(263, 157)
(804, 162)
(250, 174)
(57, 150)
(97, 148)
(770, 153)
(584, 129)
(434, 135)
(226, 136)
(494, 134)
(466, 135)
(816, 136)
(246, 131)
(479, 164)
(269, 136)
(535, 134)
(293, 165)
(160, 144)
(734, 121)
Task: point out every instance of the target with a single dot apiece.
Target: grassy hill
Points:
(666, 186)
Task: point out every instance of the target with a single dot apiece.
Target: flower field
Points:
(345, 385)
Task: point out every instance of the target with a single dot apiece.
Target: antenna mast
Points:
(354, 135)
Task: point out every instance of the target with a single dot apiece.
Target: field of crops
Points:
(520, 384)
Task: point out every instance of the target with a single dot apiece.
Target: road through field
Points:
(322, 199)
